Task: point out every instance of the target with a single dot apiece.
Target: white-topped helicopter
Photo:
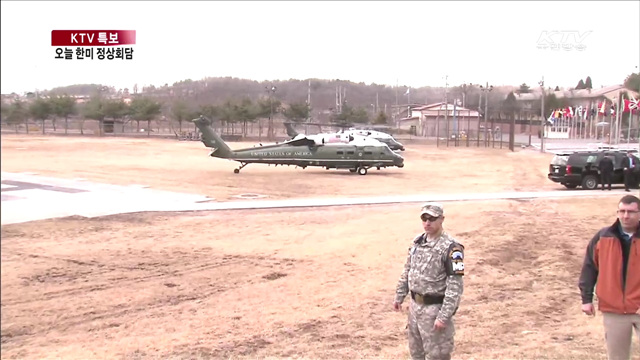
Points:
(380, 136)
(365, 137)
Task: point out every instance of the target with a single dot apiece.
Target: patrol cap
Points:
(432, 209)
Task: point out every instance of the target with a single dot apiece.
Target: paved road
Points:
(29, 197)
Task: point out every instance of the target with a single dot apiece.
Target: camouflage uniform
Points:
(433, 267)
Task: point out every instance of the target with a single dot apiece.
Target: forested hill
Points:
(323, 93)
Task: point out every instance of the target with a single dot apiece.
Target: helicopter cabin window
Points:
(350, 153)
(368, 153)
(340, 152)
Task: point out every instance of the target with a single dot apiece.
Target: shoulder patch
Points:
(456, 254)
(456, 260)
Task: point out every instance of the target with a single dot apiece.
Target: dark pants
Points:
(605, 178)
(629, 179)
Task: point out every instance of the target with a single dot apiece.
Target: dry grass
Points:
(303, 283)
(186, 166)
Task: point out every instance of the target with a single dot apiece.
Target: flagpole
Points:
(611, 127)
(590, 119)
(629, 128)
(614, 121)
(616, 135)
(618, 118)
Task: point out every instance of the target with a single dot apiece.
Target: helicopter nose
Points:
(399, 161)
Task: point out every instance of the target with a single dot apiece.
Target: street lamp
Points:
(541, 83)
(486, 89)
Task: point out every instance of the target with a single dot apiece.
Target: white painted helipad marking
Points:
(299, 203)
(5, 186)
(41, 194)
(250, 196)
(106, 199)
(139, 186)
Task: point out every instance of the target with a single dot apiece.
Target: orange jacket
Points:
(615, 265)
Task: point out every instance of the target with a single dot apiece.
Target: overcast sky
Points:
(413, 43)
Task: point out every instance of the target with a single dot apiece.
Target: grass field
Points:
(295, 283)
(185, 166)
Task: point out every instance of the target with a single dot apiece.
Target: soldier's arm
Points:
(454, 264)
(403, 283)
(589, 273)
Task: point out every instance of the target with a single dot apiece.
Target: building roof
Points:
(609, 92)
(439, 109)
(409, 118)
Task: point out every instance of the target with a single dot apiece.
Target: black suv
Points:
(581, 168)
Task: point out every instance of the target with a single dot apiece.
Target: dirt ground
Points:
(185, 166)
(295, 283)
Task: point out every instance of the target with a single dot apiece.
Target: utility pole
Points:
(464, 95)
(270, 133)
(309, 102)
(446, 107)
(486, 90)
(396, 114)
(530, 119)
(486, 113)
(542, 115)
(479, 110)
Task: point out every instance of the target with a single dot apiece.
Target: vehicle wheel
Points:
(362, 171)
(589, 182)
(353, 170)
(235, 171)
(570, 186)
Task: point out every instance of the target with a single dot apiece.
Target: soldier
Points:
(433, 276)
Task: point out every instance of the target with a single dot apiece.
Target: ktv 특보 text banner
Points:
(92, 37)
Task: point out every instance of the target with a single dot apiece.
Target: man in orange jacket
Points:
(613, 261)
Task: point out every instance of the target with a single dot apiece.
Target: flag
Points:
(407, 93)
(551, 118)
(601, 106)
(631, 105)
(569, 111)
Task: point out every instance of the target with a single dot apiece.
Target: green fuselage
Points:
(303, 152)
(345, 156)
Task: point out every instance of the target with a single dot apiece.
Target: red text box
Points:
(92, 37)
